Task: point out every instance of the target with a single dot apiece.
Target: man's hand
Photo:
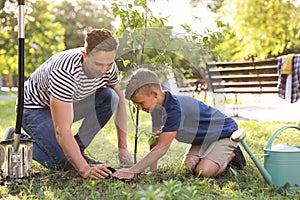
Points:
(125, 157)
(124, 173)
(97, 172)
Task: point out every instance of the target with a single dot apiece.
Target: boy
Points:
(188, 120)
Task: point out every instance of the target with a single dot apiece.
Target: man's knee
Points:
(107, 96)
(114, 99)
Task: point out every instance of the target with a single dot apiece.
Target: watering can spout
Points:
(239, 136)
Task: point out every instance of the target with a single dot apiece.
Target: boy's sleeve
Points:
(168, 119)
(158, 117)
(173, 120)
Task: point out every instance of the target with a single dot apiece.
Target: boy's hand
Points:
(124, 173)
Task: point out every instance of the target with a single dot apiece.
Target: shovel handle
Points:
(21, 28)
(21, 36)
(269, 144)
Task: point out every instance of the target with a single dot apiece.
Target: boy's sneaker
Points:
(239, 160)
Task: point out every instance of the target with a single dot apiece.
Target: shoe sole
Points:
(242, 160)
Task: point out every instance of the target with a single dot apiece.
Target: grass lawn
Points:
(172, 182)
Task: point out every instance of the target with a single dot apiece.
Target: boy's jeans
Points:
(95, 111)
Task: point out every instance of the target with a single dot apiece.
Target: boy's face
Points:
(98, 63)
(145, 102)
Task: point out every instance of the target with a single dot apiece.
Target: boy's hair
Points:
(142, 80)
(100, 40)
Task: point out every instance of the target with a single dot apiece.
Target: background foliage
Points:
(53, 27)
(264, 28)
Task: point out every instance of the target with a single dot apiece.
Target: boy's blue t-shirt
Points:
(194, 121)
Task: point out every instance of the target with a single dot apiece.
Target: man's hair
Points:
(100, 40)
(142, 80)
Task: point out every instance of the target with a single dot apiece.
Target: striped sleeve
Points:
(62, 85)
(61, 80)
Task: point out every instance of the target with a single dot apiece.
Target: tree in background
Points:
(213, 5)
(78, 17)
(41, 32)
(144, 39)
(138, 25)
(49, 28)
(43, 35)
(8, 40)
(264, 28)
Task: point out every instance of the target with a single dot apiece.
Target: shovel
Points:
(16, 153)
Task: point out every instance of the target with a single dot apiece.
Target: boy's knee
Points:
(207, 168)
(192, 164)
(204, 172)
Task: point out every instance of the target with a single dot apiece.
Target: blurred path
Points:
(266, 107)
(7, 97)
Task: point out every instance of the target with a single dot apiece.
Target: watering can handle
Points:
(268, 147)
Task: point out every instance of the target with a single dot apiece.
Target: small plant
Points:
(153, 137)
(151, 193)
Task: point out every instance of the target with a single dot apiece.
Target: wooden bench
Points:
(254, 77)
(193, 80)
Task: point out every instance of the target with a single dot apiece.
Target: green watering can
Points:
(281, 162)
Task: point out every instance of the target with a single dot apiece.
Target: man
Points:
(75, 84)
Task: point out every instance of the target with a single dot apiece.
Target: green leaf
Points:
(151, 140)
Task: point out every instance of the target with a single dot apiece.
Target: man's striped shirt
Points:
(62, 76)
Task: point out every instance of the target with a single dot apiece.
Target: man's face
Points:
(96, 64)
(145, 102)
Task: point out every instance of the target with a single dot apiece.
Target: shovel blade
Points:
(15, 164)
